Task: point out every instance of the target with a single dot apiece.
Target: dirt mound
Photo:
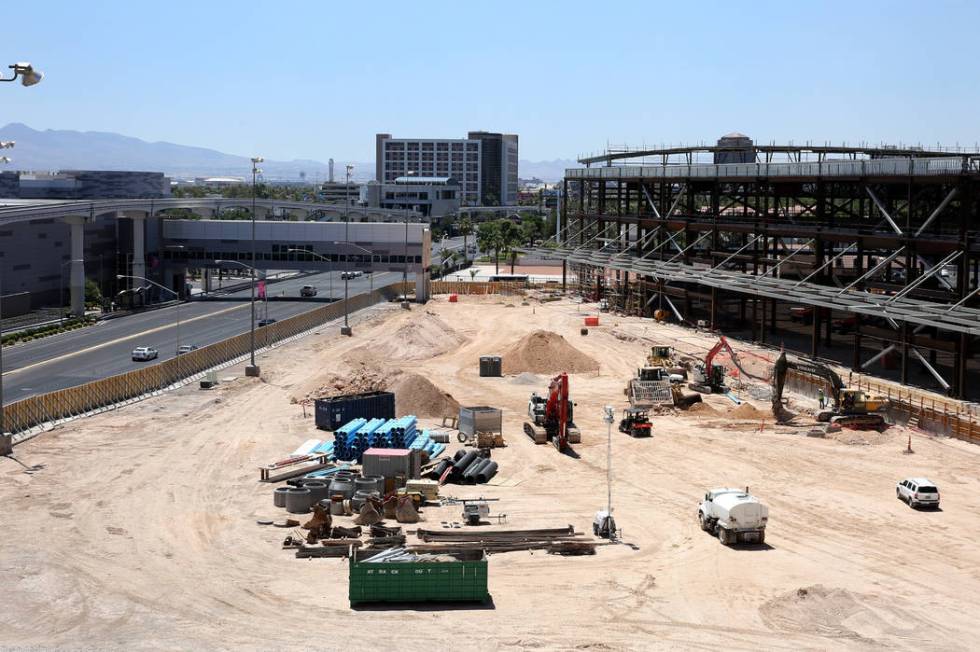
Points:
(415, 394)
(837, 613)
(701, 410)
(426, 336)
(527, 378)
(544, 352)
(360, 380)
(749, 411)
(862, 437)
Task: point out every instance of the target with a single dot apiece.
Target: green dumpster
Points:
(455, 577)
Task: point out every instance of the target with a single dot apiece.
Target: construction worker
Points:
(821, 399)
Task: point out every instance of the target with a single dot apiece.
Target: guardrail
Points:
(75, 401)
(933, 413)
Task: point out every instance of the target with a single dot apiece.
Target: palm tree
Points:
(488, 237)
(466, 229)
(511, 237)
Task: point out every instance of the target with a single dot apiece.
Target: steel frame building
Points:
(870, 256)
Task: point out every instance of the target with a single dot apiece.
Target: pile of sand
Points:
(356, 382)
(748, 411)
(544, 352)
(415, 394)
(838, 613)
(701, 410)
(527, 378)
(425, 337)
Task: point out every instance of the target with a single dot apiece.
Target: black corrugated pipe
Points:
(470, 474)
(464, 462)
(439, 469)
(487, 472)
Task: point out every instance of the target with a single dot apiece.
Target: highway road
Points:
(102, 350)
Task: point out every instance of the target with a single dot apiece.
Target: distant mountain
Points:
(51, 150)
(59, 149)
(546, 170)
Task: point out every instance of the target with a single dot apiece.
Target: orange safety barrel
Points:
(453, 298)
(591, 321)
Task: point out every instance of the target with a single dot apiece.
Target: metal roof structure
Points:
(893, 307)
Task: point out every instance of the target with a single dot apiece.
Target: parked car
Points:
(307, 291)
(918, 492)
(186, 348)
(266, 322)
(144, 353)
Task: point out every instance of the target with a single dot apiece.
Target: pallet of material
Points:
(496, 535)
(293, 466)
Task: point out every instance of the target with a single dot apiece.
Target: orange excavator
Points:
(551, 417)
(710, 377)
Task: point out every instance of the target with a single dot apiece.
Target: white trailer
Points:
(734, 515)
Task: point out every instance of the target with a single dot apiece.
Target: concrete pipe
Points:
(342, 487)
(318, 490)
(279, 496)
(298, 500)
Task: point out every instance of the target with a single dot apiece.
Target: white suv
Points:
(143, 353)
(918, 492)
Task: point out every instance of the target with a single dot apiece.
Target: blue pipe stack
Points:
(358, 435)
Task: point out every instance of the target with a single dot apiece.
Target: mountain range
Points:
(58, 149)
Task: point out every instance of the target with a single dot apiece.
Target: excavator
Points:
(710, 377)
(850, 408)
(551, 417)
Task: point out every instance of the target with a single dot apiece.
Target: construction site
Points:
(865, 256)
(469, 499)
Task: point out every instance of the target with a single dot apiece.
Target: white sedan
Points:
(144, 353)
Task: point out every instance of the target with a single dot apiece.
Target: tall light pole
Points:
(346, 329)
(176, 296)
(28, 77)
(252, 369)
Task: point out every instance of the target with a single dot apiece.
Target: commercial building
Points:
(867, 256)
(84, 184)
(432, 197)
(484, 164)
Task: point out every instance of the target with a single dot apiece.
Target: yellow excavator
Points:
(850, 408)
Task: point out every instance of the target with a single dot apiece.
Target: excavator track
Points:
(859, 421)
(536, 433)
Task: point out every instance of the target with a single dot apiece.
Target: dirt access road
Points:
(137, 528)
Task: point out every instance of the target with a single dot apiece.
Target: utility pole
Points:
(253, 369)
(346, 329)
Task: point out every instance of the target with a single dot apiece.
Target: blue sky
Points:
(319, 79)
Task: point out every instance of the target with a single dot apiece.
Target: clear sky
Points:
(319, 79)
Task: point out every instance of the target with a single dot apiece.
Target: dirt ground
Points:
(136, 529)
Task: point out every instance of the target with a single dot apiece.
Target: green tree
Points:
(92, 292)
(489, 238)
(533, 228)
(511, 237)
(466, 230)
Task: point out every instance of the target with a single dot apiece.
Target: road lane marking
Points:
(121, 339)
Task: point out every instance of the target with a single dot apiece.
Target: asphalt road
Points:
(69, 359)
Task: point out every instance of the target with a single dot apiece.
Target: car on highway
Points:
(144, 353)
(186, 348)
(265, 322)
(918, 492)
(351, 275)
(307, 291)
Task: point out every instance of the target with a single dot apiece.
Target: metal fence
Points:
(74, 401)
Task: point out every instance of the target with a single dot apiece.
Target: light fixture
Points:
(5, 159)
(7, 144)
(24, 70)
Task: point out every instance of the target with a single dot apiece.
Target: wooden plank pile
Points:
(563, 541)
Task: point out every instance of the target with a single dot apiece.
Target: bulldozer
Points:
(849, 408)
(661, 356)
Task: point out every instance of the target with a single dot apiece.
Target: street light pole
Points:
(28, 77)
(346, 329)
(177, 296)
(252, 369)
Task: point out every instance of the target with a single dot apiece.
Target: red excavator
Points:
(551, 417)
(709, 377)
